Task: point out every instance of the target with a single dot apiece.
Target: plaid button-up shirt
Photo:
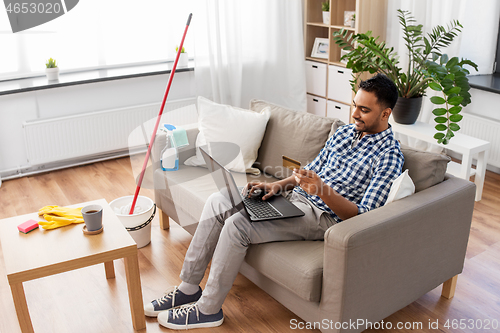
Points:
(361, 173)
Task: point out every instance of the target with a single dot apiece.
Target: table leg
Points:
(23, 316)
(482, 159)
(135, 291)
(466, 166)
(109, 267)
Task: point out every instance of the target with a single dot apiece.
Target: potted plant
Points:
(325, 6)
(183, 58)
(51, 70)
(427, 67)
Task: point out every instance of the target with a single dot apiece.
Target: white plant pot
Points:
(183, 60)
(52, 73)
(326, 17)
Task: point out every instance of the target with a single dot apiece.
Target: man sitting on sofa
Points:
(351, 175)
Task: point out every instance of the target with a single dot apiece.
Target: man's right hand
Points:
(270, 189)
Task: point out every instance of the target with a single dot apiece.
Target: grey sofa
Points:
(367, 267)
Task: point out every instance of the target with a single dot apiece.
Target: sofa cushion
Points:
(224, 123)
(298, 135)
(401, 188)
(296, 265)
(425, 168)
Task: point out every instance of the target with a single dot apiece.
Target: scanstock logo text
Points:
(26, 14)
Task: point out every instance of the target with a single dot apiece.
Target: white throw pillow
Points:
(220, 123)
(402, 187)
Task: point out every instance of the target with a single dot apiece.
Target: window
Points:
(97, 34)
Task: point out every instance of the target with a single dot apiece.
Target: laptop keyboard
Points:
(261, 209)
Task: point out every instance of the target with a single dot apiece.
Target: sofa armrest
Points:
(184, 153)
(379, 262)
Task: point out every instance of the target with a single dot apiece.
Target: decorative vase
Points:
(326, 17)
(52, 73)
(183, 60)
(407, 110)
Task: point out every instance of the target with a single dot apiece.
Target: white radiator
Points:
(94, 133)
(485, 129)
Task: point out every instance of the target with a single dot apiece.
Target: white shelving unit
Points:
(328, 87)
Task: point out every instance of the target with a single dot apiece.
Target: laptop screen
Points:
(224, 181)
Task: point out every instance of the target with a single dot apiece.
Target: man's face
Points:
(369, 116)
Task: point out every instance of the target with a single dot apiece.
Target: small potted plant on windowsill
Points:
(183, 58)
(51, 70)
(325, 6)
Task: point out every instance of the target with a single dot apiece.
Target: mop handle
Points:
(159, 117)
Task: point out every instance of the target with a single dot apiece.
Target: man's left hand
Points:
(309, 181)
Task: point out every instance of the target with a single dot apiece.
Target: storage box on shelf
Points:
(316, 78)
(338, 110)
(328, 87)
(339, 87)
(316, 105)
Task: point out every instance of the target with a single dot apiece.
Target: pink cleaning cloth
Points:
(28, 226)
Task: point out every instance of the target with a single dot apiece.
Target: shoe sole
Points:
(190, 326)
(155, 314)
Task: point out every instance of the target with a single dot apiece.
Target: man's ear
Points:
(386, 113)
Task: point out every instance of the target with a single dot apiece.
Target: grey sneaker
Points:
(189, 316)
(172, 299)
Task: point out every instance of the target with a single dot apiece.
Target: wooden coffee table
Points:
(42, 253)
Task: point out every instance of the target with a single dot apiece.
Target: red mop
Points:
(159, 117)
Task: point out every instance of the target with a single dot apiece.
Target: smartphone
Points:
(290, 163)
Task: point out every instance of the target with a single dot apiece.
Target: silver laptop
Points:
(276, 207)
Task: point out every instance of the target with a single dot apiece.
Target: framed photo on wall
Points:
(320, 48)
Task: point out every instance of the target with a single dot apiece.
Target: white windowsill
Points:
(15, 86)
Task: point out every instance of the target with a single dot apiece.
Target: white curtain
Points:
(250, 49)
(476, 42)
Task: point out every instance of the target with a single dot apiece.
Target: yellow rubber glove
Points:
(61, 211)
(59, 216)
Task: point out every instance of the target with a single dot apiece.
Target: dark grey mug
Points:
(92, 215)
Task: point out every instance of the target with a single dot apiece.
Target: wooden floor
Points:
(85, 301)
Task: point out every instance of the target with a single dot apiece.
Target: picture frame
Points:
(320, 48)
(349, 18)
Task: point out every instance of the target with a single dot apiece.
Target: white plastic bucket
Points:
(138, 224)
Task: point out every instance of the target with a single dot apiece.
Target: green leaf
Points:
(456, 118)
(454, 90)
(455, 100)
(454, 127)
(435, 86)
(446, 82)
(440, 127)
(455, 109)
(452, 62)
(441, 120)
(450, 76)
(439, 111)
(441, 70)
(444, 59)
(438, 136)
(456, 70)
(439, 100)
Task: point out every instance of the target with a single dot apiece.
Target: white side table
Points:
(466, 145)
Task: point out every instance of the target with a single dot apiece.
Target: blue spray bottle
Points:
(176, 138)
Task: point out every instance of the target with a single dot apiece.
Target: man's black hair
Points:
(384, 89)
